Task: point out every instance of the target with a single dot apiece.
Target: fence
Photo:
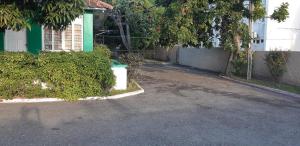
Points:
(216, 59)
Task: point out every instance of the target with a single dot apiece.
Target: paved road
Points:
(180, 107)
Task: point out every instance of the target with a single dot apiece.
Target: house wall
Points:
(259, 27)
(34, 36)
(88, 36)
(32, 41)
(284, 36)
(281, 36)
(15, 41)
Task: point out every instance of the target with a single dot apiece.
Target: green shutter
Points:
(88, 38)
(34, 39)
(1, 41)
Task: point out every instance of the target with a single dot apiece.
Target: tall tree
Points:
(256, 11)
(138, 22)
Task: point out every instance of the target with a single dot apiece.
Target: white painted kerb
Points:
(45, 100)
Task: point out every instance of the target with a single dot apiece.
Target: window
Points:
(57, 40)
(77, 37)
(70, 39)
(47, 39)
(257, 41)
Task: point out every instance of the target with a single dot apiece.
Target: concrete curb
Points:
(157, 62)
(278, 91)
(48, 100)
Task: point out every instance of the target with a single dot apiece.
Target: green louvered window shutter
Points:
(34, 39)
(1, 41)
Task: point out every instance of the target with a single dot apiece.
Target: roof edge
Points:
(98, 4)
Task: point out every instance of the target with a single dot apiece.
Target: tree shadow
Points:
(26, 129)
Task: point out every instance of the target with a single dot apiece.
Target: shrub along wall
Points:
(292, 74)
(67, 75)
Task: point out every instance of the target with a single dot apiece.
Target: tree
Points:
(198, 23)
(256, 11)
(56, 14)
(187, 23)
(138, 22)
(202, 22)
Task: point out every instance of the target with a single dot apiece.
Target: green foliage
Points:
(281, 13)
(239, 64)
(102, 49)
(200, 22)
(259, 11)
(17, 72)
(56, 14)
(134, 62)
(144, 20)
(59, 14)
(194, 22)
(67, 75)
(276, 62)
(12, 18)
(188, 23)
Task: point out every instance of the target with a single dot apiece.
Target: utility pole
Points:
(128, 36)
(249, 51)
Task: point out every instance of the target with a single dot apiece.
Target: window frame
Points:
(77, 21)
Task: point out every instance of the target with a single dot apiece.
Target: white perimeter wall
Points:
(214, 59)
(292, 76)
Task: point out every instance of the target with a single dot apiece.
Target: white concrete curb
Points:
(278, 91)
(47, 100)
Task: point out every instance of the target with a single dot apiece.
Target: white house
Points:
(272, 35)
(78, 36)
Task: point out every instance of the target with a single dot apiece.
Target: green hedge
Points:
(68, 75)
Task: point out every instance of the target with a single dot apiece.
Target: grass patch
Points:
(272, 84)
(132, 86)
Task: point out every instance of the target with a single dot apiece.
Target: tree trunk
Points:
(118, 21)
(237, 43)
(229, 64)
(249, 51)
(128, 37)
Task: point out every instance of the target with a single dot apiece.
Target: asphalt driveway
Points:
(181, 106)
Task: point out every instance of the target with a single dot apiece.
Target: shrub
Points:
(276, 62)
(239, 64)
(17, 72)
(134, 61)
(68, 75)
(102, 49)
